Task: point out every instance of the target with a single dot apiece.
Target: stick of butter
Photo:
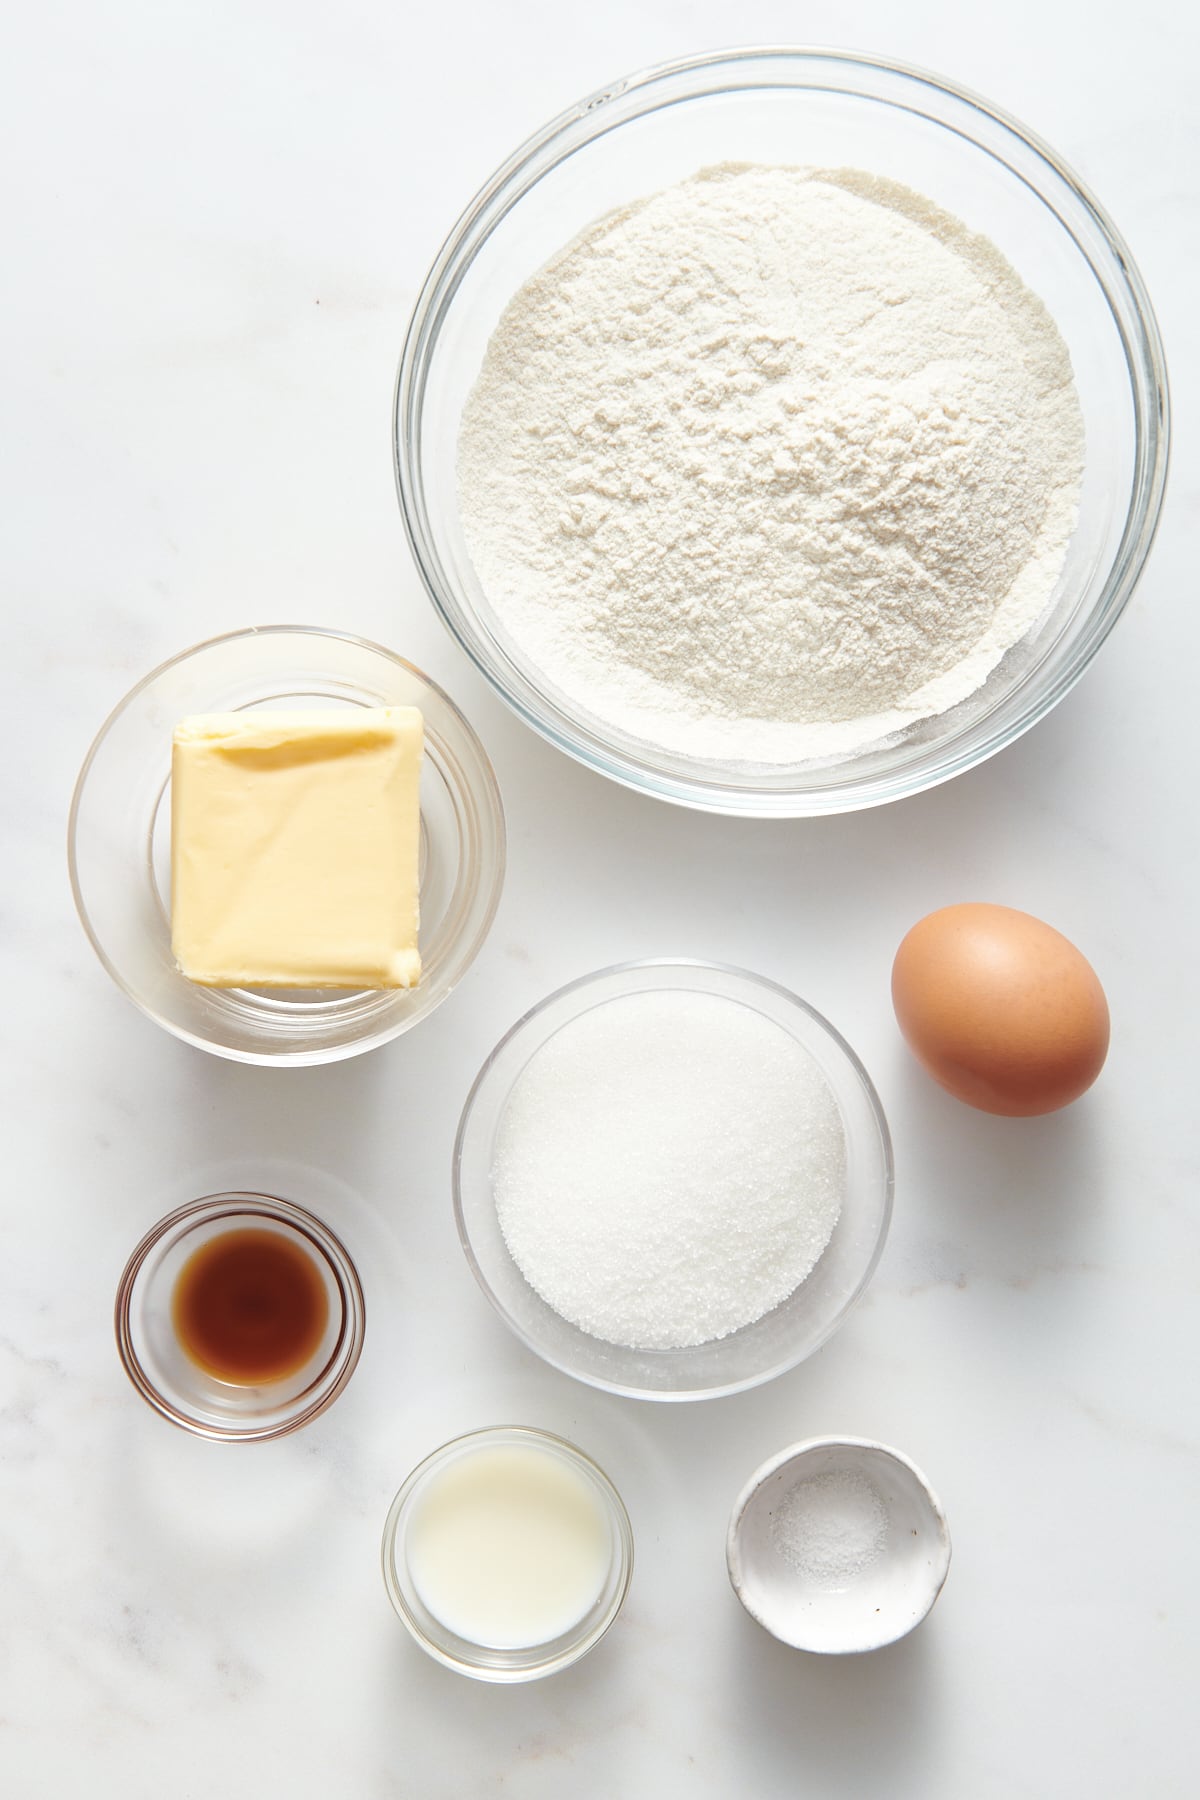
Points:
(294, 848)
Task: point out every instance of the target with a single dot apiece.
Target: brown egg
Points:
(1000, 1009)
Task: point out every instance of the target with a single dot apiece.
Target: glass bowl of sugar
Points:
(782, 432)
(673, 1179)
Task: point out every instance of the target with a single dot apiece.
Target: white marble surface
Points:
(216, 220)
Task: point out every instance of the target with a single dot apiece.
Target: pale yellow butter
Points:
(294, 848)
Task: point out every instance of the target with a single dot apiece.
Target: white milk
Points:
(509, 1546)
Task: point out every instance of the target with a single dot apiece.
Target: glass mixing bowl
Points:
(811, 108)
(119, 844)
(781, 1338)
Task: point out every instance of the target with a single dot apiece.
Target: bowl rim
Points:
(302, 1058)
(856, 1068)
(1145, 363)
(796, 1453)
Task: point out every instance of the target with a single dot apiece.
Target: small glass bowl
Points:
(817, 109)
(758, 1352)
(187, 1395)
(119, 841)
(846, 1613)
(482, 1661)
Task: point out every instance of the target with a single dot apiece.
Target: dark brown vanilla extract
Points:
(250, 1306)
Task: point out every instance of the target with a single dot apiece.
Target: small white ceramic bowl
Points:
(837, 1545)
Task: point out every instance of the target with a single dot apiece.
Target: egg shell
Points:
(1002, 1010)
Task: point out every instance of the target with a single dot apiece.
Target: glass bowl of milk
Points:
(508, 1554)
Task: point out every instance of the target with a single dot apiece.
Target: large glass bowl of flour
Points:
(781, 432)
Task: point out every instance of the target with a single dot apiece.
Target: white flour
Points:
(771, 464)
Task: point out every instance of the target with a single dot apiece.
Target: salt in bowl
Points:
(837, 1545)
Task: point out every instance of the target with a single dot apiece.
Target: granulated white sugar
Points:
(668, 1168)
(831, 1526)
(771, 465)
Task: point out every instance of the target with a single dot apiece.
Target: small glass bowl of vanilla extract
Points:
(240, 1317)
